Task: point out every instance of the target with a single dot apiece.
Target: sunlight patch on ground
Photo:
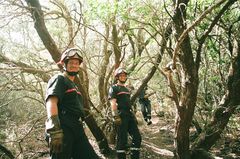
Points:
(163, 152)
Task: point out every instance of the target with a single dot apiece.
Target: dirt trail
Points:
(157, 139)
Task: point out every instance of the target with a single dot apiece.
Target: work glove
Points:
(56, 141)
(55, 134)
(117, 120)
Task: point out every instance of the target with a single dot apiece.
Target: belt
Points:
(126, 111)
(70, 115)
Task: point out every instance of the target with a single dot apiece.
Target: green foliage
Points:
(136, 18)
(100, 10)
(234, 125)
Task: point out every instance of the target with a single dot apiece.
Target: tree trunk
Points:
(5, 153)
(116, 48)
(102, 83)
(185, 111)
(39, 24)
(187, 94)
(229, 103)
(212, 132)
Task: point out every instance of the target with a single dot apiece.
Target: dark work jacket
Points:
(143, 100)
(122, 95)
(69, 97)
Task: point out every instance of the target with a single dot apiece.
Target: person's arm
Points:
(113, 103)
(51, 106)
(53, 127)
(52, 123)
(116, 118)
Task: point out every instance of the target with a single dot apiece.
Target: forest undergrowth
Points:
(158, 141)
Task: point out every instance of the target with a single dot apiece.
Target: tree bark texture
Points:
(5, 152)
(102, 83)
(39, 24)
(116, 48)
(189, 85)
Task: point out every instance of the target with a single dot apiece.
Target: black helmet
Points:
(118, 71)
(71, 53)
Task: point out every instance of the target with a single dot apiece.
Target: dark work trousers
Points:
(75, 141)
(129, 125)
(146, 110)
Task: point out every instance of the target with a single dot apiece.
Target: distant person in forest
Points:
(123, 117)
(64, 105)
(145, 104)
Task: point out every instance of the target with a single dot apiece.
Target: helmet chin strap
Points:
(72, 73)
(69, 73)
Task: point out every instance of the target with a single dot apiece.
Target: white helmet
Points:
(72, 53)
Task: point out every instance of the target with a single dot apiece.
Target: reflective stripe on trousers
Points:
(134, 149)
(121, 151)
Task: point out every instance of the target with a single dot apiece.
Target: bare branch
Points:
(190, 28)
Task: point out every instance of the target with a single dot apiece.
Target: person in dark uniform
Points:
(123, 117)
(64, 105)
(145, 105)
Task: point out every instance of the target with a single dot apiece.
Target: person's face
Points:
(73, 65)
(122, 77)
